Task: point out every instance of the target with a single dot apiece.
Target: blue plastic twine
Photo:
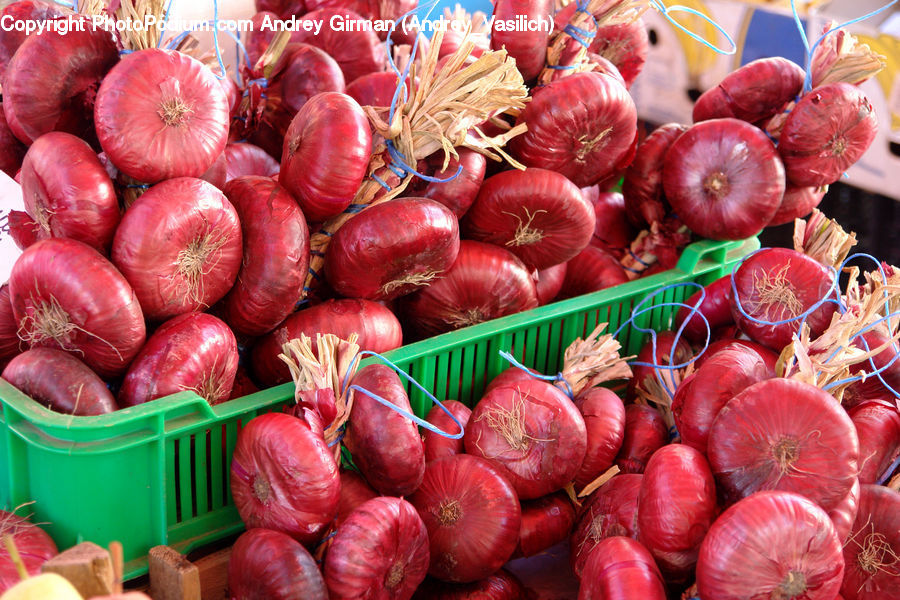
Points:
(666, 12)
(164, 22)
(394, 407)
(558, 378)
(884, 477)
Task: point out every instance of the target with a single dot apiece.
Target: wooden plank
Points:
(87, 566)
(172, 576)
(214, 574)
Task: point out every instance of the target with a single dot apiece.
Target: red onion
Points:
(12, 151)
(546, 522)
(703, 394)
(724, 179)
(283, 477)
(282, 8)
(357, 52)
(459, 193)
(620, 568)
(610, 511)
(34, 545)
(439, 446)
(380, 551)
(201, 256)
(828, 130)
(243, 385)
(217, 174)
(270, 564)
(752, 93)
(844, 514)
(771, 545)
(550, 282)
(354, 492)
(643, 183)
(485, 282)
(502, 585)
(645, 433)
(161, 114)
(472, 516)
(275, 255)
(60, 382)
(377, 327)
(870, 553)
(581, 126)
(878, 428)
(67, 191)
(66, 295)
(528, 48)
(594, 269)
(538, 215)
(604, 419)
(193, 351)
(307, 71)
(247, 159)
(375, 89)
(777, 284)
(392, 249)
(22, 10)
(659, 354)
(612, 230)
(872, 388)
(808, 445)
(676, 506)
(532, 433)
(326, 154)
(715, 308)
(797, 203)
(390, 10)
(385, 444)
(9, 337)
(625, 45)
(67, 69)
(768, 357)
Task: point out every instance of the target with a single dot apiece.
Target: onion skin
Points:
(381, 551)
(771, 545)
(358, 53)
(724, 179)
(193, 351)
(385, 445)
(612, 231)
(798, 282)
(247, 159)
(275, 255)
(604, 419)
(538, 215)
(532, 433)
(9, 338)
(844, 514)
(354, 492)
(161, 114)
(438, 446)
(752, 93)
(550, 282)
(878, 428)
(59, 381)
(485, 282)
(201, 258)
(594, 269)
(797, 203)
(68, 70)
(326, 154)
(546, 522)
(620, 568)
(828, 130)
(61, 274)
(608, 512)
(67, 189)
(581, 126)
(809, 446)
(392, 249)
(12, 151)
(676, 506)
(875, 539)
(270, 565)
(645, 433)
(457, 194)
(702, 395)
(716, 308)
(643, 183)
(472, 516)
(528, 48)
(283, 477)
(377, 327)
(34, 545)
(374, 89)
(502, 585)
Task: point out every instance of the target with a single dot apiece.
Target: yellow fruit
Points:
(48, 586)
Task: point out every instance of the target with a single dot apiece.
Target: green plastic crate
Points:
(158, 473)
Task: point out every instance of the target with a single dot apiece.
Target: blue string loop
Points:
(558, 378)
(394, 407)
(884, 476)
(666, 12)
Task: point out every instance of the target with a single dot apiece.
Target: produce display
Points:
(213, 229)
